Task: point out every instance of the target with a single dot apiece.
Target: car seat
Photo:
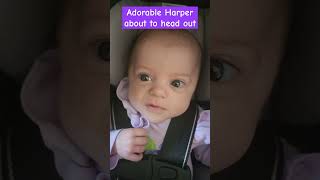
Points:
(293, 113)
(120, 42)
(23, 153)
(296, 102)
(27, 29)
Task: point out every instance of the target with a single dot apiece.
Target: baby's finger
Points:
(140, 141)
(140, 132)
(135, 157)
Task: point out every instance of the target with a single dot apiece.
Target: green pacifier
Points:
(151, 145)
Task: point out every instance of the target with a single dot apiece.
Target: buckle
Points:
(149, 168)
(167, 173)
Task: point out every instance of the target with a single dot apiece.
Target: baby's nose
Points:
(158, 91)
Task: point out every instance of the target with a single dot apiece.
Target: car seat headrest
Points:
(299, 82)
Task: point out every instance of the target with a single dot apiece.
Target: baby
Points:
(66, 92)
(162, 77)
(244, 64)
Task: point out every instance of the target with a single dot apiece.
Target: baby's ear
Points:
(39, 94)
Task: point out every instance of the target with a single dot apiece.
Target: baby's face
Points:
(163, 75)
(84, 87)
(245, 62)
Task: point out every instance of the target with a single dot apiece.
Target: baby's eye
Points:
(177, 83)
(103, 50)
(144, 77)
(220, 70)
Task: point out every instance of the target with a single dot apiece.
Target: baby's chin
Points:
(155, 119)
(158, 117)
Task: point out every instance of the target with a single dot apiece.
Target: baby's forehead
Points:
(153, 39)
(86, 13)
(168, 37)
(160, 42)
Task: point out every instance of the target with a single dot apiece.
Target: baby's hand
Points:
(131, 142)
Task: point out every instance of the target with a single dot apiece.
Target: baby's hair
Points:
(141, 33)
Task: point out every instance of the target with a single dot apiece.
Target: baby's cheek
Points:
(180, 105)
(134, 97)
(137, 91)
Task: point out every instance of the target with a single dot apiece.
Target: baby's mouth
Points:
(155, 108)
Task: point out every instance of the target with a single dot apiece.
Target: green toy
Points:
(151, 145)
